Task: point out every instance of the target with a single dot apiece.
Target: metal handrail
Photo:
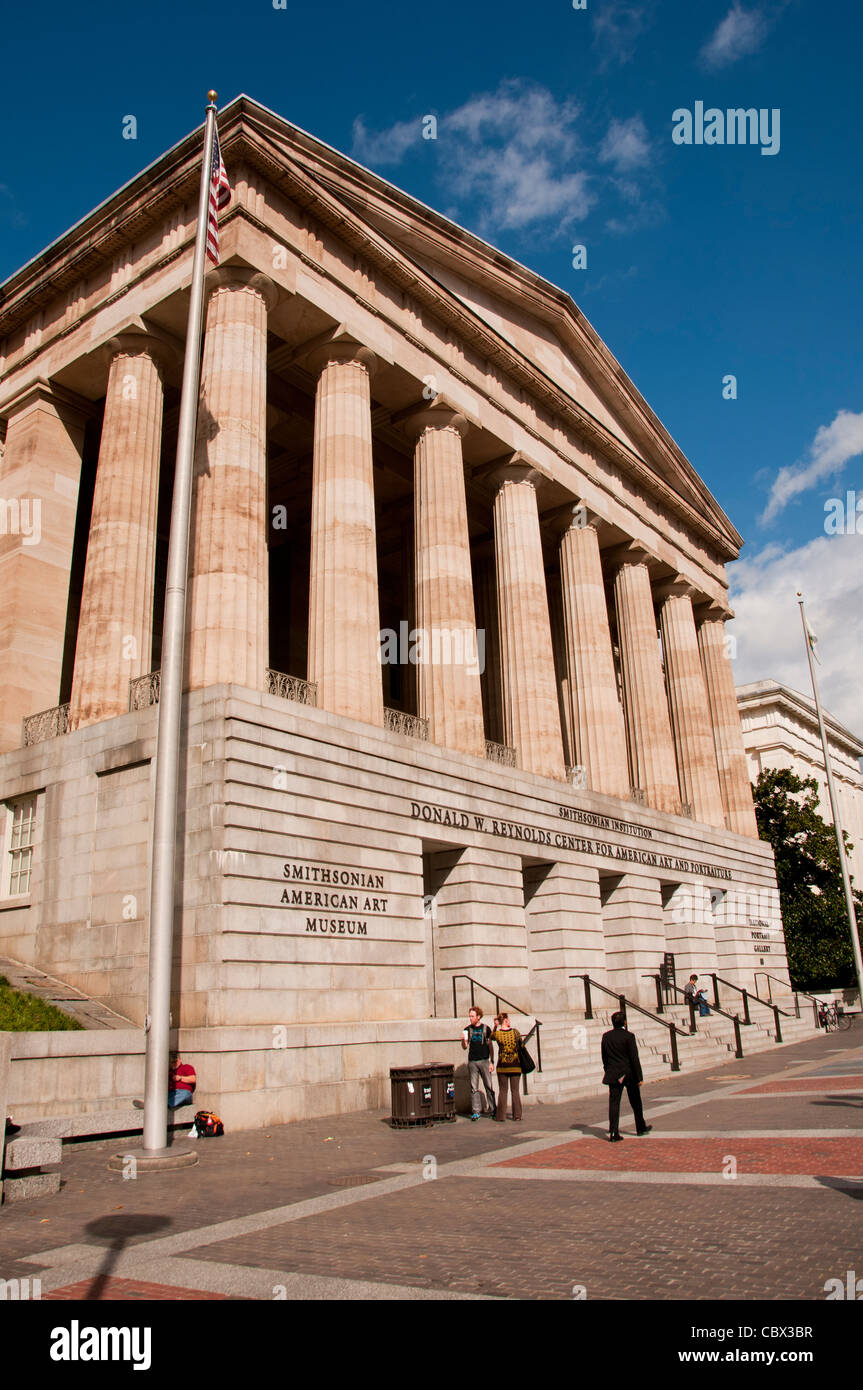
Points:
(735, 1019)
(624, 1004)
(747, 995)
(498, 1000)
(795, 992)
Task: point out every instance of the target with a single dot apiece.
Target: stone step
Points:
(117, 1121)
(30, 1152)
(29, 1186)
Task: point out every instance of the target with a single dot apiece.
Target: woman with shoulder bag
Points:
(508, 1041)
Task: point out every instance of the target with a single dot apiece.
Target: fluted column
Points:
(531, 713)
(344, 612)
(228, 619)
(688, 708)
(734, 784)
(449, 694)
(40, 470)
(115, 632)
(648, 730)
(596, 712)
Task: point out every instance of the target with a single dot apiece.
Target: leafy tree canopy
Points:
(809, 878)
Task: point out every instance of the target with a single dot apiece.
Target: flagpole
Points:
(158, 1025)
(834, 803)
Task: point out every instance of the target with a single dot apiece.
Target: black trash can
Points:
(413, 1096)
(443, 1090)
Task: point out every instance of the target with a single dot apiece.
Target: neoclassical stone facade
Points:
(459, 697)
(780, 730)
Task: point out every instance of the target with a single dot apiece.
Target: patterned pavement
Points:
(786, 1156)
(749, 1187)
(128, 1291)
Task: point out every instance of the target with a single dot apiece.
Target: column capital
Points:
(338, 345)
(513, 467)
(712, 611)
(440, 413)
(630, 553)
(237, 277)
(137, 340)
(575, 516)
(676, 587)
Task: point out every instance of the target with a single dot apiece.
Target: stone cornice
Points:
(762, 695)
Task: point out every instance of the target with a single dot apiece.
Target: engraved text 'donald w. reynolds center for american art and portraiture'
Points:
(459, 700)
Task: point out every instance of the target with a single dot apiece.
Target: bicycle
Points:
(833, 1016)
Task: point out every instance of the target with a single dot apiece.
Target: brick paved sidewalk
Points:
(346, 1208)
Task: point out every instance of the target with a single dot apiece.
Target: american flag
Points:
(220, 196)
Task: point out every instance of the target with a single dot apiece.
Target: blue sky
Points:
(555, 129)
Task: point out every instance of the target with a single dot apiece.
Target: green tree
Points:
(809, 878)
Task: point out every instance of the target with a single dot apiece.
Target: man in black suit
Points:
(622, 1068)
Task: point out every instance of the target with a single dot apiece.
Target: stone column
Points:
(734, 784)
(449, 694)
(344, 613)
(531, 713)
(687, 705)
(40, 471)
(228, 620)
(597, 716)
(648, 730)
(115, 632)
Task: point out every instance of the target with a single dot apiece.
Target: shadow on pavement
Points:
(118, 1231)
(850, 1187)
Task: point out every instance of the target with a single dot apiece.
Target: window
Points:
(20, 831)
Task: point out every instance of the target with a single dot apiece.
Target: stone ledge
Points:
(32, 1152)
(33, 1185)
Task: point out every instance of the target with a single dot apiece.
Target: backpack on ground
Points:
(208, 1125)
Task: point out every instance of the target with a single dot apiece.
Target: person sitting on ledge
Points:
(182, 1083)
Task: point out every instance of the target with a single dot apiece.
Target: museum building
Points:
(460, 705)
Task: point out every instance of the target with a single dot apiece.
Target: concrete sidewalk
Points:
(748, 1187)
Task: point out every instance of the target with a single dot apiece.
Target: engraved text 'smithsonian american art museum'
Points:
(459, 696)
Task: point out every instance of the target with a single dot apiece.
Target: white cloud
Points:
(617, 27)
(833, 446)
(740, 33)
(626, 145)
(514, 152)
(385, 146)
(512, 147)
(770, 644)
(515, 158)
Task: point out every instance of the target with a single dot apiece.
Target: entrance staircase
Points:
(571, 1056)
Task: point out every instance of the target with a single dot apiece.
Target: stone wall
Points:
(332, 872)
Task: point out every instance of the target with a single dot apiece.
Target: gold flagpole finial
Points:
(212, 97)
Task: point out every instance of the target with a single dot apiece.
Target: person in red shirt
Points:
(182, 1082)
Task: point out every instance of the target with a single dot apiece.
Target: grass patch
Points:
(24, 1013)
